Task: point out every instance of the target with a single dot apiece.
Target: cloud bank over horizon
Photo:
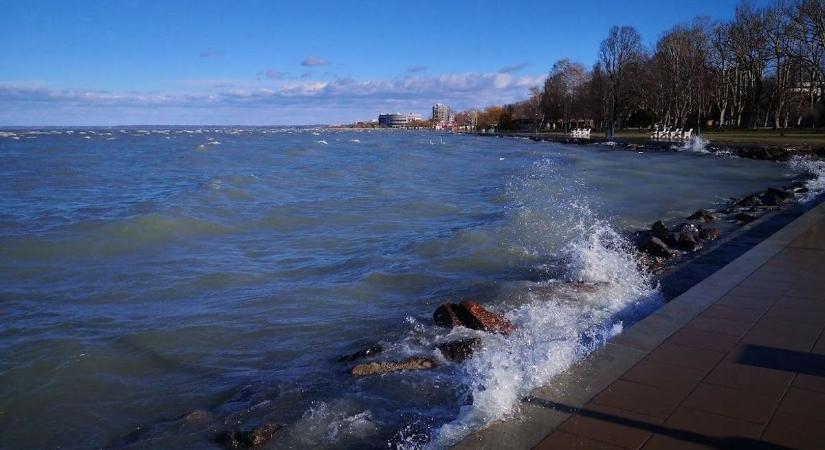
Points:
(274, 99)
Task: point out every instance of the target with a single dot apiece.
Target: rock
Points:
(253, 438)
(659, 230)
(687, 241)
(655, 247)
(368, 352)
(471, 315)
(259, 436)
(380, 368)
(775, 197)
(485, 320)
(195, 416)
(703, 215)
(458, 351)
(745, 217)
(447, 316)
(785, 195)
(229, 439)
(710, 234)
(749, 201)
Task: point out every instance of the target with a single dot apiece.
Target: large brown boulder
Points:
(458, 351)
(471, 315)
(446, 315)
(380, 368)
(481, 319)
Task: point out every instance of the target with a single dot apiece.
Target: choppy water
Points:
(148, 273)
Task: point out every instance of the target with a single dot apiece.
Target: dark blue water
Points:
(148, 273)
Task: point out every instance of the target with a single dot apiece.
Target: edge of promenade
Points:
(692, 347)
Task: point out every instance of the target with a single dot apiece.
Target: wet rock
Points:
(688, 241)
(785, 195)
(471, 315)
(253, 438)
(196, 416)
(481, 319)
(655, 247)
(745, 217)
(368, 352)
(710, 234)
(775, 197)
(703, 215)
(749, 201)
(259, 436)
(458, 351)
(229, 439)
(380, 368)
(659, 230)
(446, 315)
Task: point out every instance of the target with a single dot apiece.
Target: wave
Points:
(556, 327)
(813, 167)
(696, 144)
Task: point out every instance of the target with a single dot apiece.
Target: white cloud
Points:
(339, 99)
(314, 61)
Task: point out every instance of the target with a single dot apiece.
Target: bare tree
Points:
(620, 55)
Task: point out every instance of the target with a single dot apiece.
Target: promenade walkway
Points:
(736, 362)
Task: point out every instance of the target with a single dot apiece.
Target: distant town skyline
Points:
(264, 63)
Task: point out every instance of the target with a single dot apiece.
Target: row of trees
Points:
(763, 68)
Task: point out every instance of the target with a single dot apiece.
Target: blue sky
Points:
(287, 62)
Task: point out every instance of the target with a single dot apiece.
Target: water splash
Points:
(815, 168)
(556, 327)
(696, 144)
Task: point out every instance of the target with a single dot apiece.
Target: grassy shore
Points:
(794, 137)
(757, 144)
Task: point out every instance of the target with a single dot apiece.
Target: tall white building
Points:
(442, 114)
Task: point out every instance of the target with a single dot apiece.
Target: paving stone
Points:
(734, 403)
(750, 378)
(805, 403)
(639, 398)
(681, 356)
(794, 431)
(565, 441)
(611, 425)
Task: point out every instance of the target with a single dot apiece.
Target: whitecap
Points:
(813, 167)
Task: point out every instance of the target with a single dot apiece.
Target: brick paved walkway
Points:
(747, 372)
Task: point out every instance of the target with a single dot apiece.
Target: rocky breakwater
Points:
(662, 244)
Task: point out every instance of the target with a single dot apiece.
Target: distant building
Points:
(442, 114)
(398, 120)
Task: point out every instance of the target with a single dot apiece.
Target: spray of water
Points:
(695, 144)
(556, 326)
(813, 167)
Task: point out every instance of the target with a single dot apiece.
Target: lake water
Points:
(146, 273)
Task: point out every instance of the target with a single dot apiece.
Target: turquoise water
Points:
(146, 273)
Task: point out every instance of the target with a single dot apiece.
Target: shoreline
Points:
(572, 393)
(772, 152)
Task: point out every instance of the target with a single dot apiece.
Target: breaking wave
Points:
(813, 167)
(599, 288)
(696, 144)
